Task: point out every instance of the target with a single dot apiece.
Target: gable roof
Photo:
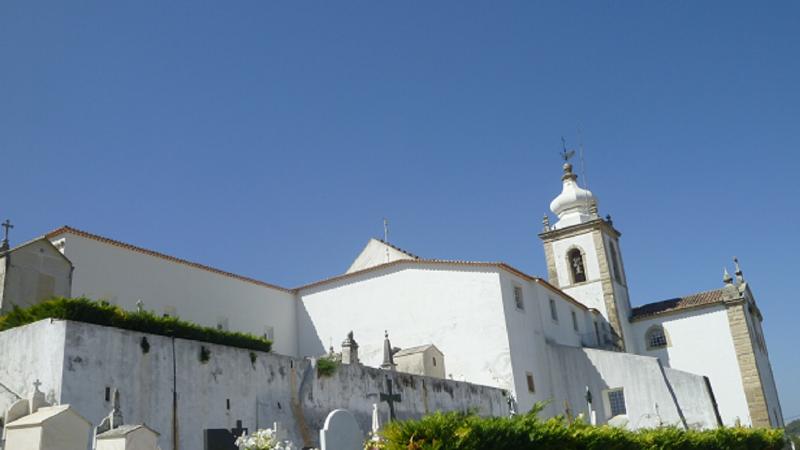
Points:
(414, 259)
(67, 229)
(33, 241)
(449, 262)
(43, 415)
(417, 349)
(124, 430)
(699, 299)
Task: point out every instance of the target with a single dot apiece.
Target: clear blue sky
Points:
(270, 138)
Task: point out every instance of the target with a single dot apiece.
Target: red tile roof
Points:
(690, 301)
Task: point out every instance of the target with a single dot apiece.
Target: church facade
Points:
(572, 339)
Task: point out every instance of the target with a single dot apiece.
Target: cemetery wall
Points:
(232, 384)
(650, 398)
(29, 353)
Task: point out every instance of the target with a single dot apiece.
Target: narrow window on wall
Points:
(574, 321)
(518, 299)
(616, 402)
(553, 310)
(529, 379)
(577, 269)
(615, 262)
(656, 337)
(597, 333)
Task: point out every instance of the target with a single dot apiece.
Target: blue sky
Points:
(271, 138)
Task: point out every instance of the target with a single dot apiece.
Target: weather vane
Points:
(566, 154)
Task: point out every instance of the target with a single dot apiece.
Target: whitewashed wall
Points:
(29, 353)
(648, 397)
(700, 342)
(124, 276)
(32, 273)
(230, 386)
(693, 397)
(458, 309)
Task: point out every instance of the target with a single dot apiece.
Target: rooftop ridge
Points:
(125, 245)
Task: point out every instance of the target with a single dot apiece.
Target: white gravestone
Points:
(128, 437)
(341, 432)
(50, 428)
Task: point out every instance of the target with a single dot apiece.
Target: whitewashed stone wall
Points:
(700, 342)
(230, 386)
(650, 398)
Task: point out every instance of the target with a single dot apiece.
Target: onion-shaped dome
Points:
(574, 204)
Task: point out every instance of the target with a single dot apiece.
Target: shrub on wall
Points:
(103, 313)
(459, 431)
(326, 366)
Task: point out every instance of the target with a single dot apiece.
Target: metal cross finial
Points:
(7, 226)
(36, 384)
(566, 154)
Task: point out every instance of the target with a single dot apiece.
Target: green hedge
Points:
(458, 431)
(103, 313)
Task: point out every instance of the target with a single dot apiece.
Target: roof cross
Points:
(36, 384)
(7, 226)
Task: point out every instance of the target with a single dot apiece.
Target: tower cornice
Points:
(574, 230)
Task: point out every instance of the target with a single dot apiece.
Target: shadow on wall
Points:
(309, 343)
(577, 373)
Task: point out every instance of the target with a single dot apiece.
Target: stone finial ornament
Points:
(388, 353)
(726, 277)
(739, 275)
(350, 350)
(546, 223)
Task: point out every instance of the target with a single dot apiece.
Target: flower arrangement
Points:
(263, 440)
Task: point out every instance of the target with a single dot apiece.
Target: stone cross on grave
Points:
(390, 398)
(36, 384)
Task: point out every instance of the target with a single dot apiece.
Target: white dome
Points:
(574, 204)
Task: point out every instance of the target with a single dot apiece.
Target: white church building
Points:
(572, 339)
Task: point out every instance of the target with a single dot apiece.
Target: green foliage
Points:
(460, 431)
(326, 366)
(103, 313)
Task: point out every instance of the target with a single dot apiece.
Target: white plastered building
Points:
(573, 340)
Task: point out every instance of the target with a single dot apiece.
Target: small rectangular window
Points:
(616, 402)
(574, 321)
(529, 378)
(553, 310)
(518, 299)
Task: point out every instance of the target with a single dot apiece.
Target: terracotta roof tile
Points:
(679, 303)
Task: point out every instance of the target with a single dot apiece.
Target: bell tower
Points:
(583, 255)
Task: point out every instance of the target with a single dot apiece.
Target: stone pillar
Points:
(350, 350)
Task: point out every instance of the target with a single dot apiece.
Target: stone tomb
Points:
(49, 428)
(341, 432)
(128, 437)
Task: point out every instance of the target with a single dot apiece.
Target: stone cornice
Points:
(574, 230)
